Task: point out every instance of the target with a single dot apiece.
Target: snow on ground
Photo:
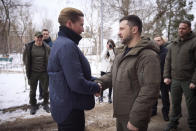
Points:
(4, 117)
(13, 91)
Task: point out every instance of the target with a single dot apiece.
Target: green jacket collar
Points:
(144, 43)
(187, 37)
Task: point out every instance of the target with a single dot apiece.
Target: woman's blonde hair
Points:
(69, 14)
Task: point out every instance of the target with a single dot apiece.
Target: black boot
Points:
(165, 117)
(40, 97)
(153, 114)
(100, 99)
(109, 100)
(46, 108)
(172, 126)
(33, 110)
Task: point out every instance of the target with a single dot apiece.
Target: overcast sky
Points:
(51, 8)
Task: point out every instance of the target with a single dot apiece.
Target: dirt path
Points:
(98, 119)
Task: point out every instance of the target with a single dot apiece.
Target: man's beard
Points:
(184, 36)
(127, 40)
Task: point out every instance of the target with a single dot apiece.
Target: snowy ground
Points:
(14, 91)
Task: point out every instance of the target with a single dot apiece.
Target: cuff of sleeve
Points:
(98, 88)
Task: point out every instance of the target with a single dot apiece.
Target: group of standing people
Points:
(178, 75)
(139, 70)
(35, 58)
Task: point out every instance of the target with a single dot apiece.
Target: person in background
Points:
(71, 87)
(135, 77)
(180, 72)
(47, 39)
(35, 58)
(106, 64)
(164, 88)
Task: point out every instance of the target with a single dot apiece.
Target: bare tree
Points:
(92, 24)
(8, 14)
(158, 16)
(144, 9)
(5, 28)
(47, 24)
(21, 26)
(168, 15)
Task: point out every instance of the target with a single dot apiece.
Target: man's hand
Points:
(98, 94)
(167, 81)
(131, 127)
(192, 86)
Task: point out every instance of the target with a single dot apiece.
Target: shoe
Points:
(166, 117)
(100, 99)
(160, 96)
(33, 110)
(109, 100)
(170, 129)
(40, 97)
(153, 114)
(46, 108)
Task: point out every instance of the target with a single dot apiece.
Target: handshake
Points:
(99, 93)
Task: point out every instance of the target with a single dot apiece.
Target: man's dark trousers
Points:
(165, 99)
(42, 77)
(178, 87)
(74, 122)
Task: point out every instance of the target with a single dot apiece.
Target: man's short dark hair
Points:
(133, 20)
(186, 22)
(45, 30)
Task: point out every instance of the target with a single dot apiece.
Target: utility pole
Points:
(101, 25)
(169, 25)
